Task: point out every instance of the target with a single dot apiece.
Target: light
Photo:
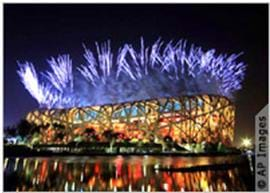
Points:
(144, 170)
(73, 186)
(130, 188)
(246, 142)
(6, 163)
(55, 165)
(66, 186)
(148, 188)
(142, 189)
(165, 186)
(16, 164)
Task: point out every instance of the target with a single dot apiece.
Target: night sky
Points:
(36, 32)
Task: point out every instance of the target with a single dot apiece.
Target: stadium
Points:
(187, 119)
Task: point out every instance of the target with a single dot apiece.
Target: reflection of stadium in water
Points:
(132, 173)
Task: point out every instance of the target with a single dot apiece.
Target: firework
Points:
(30, 80)
(61, 76)
(162, 69)
(97, 69)
(56, 92)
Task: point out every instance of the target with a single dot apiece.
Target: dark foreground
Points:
(128, 173)
(66, 150)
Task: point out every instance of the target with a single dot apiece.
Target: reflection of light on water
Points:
(73, 186)
(81, 176)
(148, 188)
(230, 173)
(118, 165)
(144, 171)
(142, 188)
(24, 162)
(111, 183)
(55, 165)
(16, 164)
(91, 188)
(5, 163)
(66, 187)
(249, 156)
(36, 164)
(34, 181)
(156, 167)
(165, 186)
(224, 186)
(136, 175)
(205, 182)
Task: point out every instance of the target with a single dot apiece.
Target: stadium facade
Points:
(186, 119)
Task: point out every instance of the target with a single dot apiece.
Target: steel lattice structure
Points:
(186, 119)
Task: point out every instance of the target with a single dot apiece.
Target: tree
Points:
(90, 134)
(110, 137)
(35, 138)
(59, 136)
(35, 129)
(10, 132)
(24, 128)
(108, 134)
(168, 141)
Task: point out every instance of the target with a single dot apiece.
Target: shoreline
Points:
(24, 151)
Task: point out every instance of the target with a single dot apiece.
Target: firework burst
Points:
(160, 70)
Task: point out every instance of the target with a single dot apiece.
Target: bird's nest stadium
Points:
(185, 119)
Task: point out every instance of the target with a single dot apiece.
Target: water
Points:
(124, 173)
